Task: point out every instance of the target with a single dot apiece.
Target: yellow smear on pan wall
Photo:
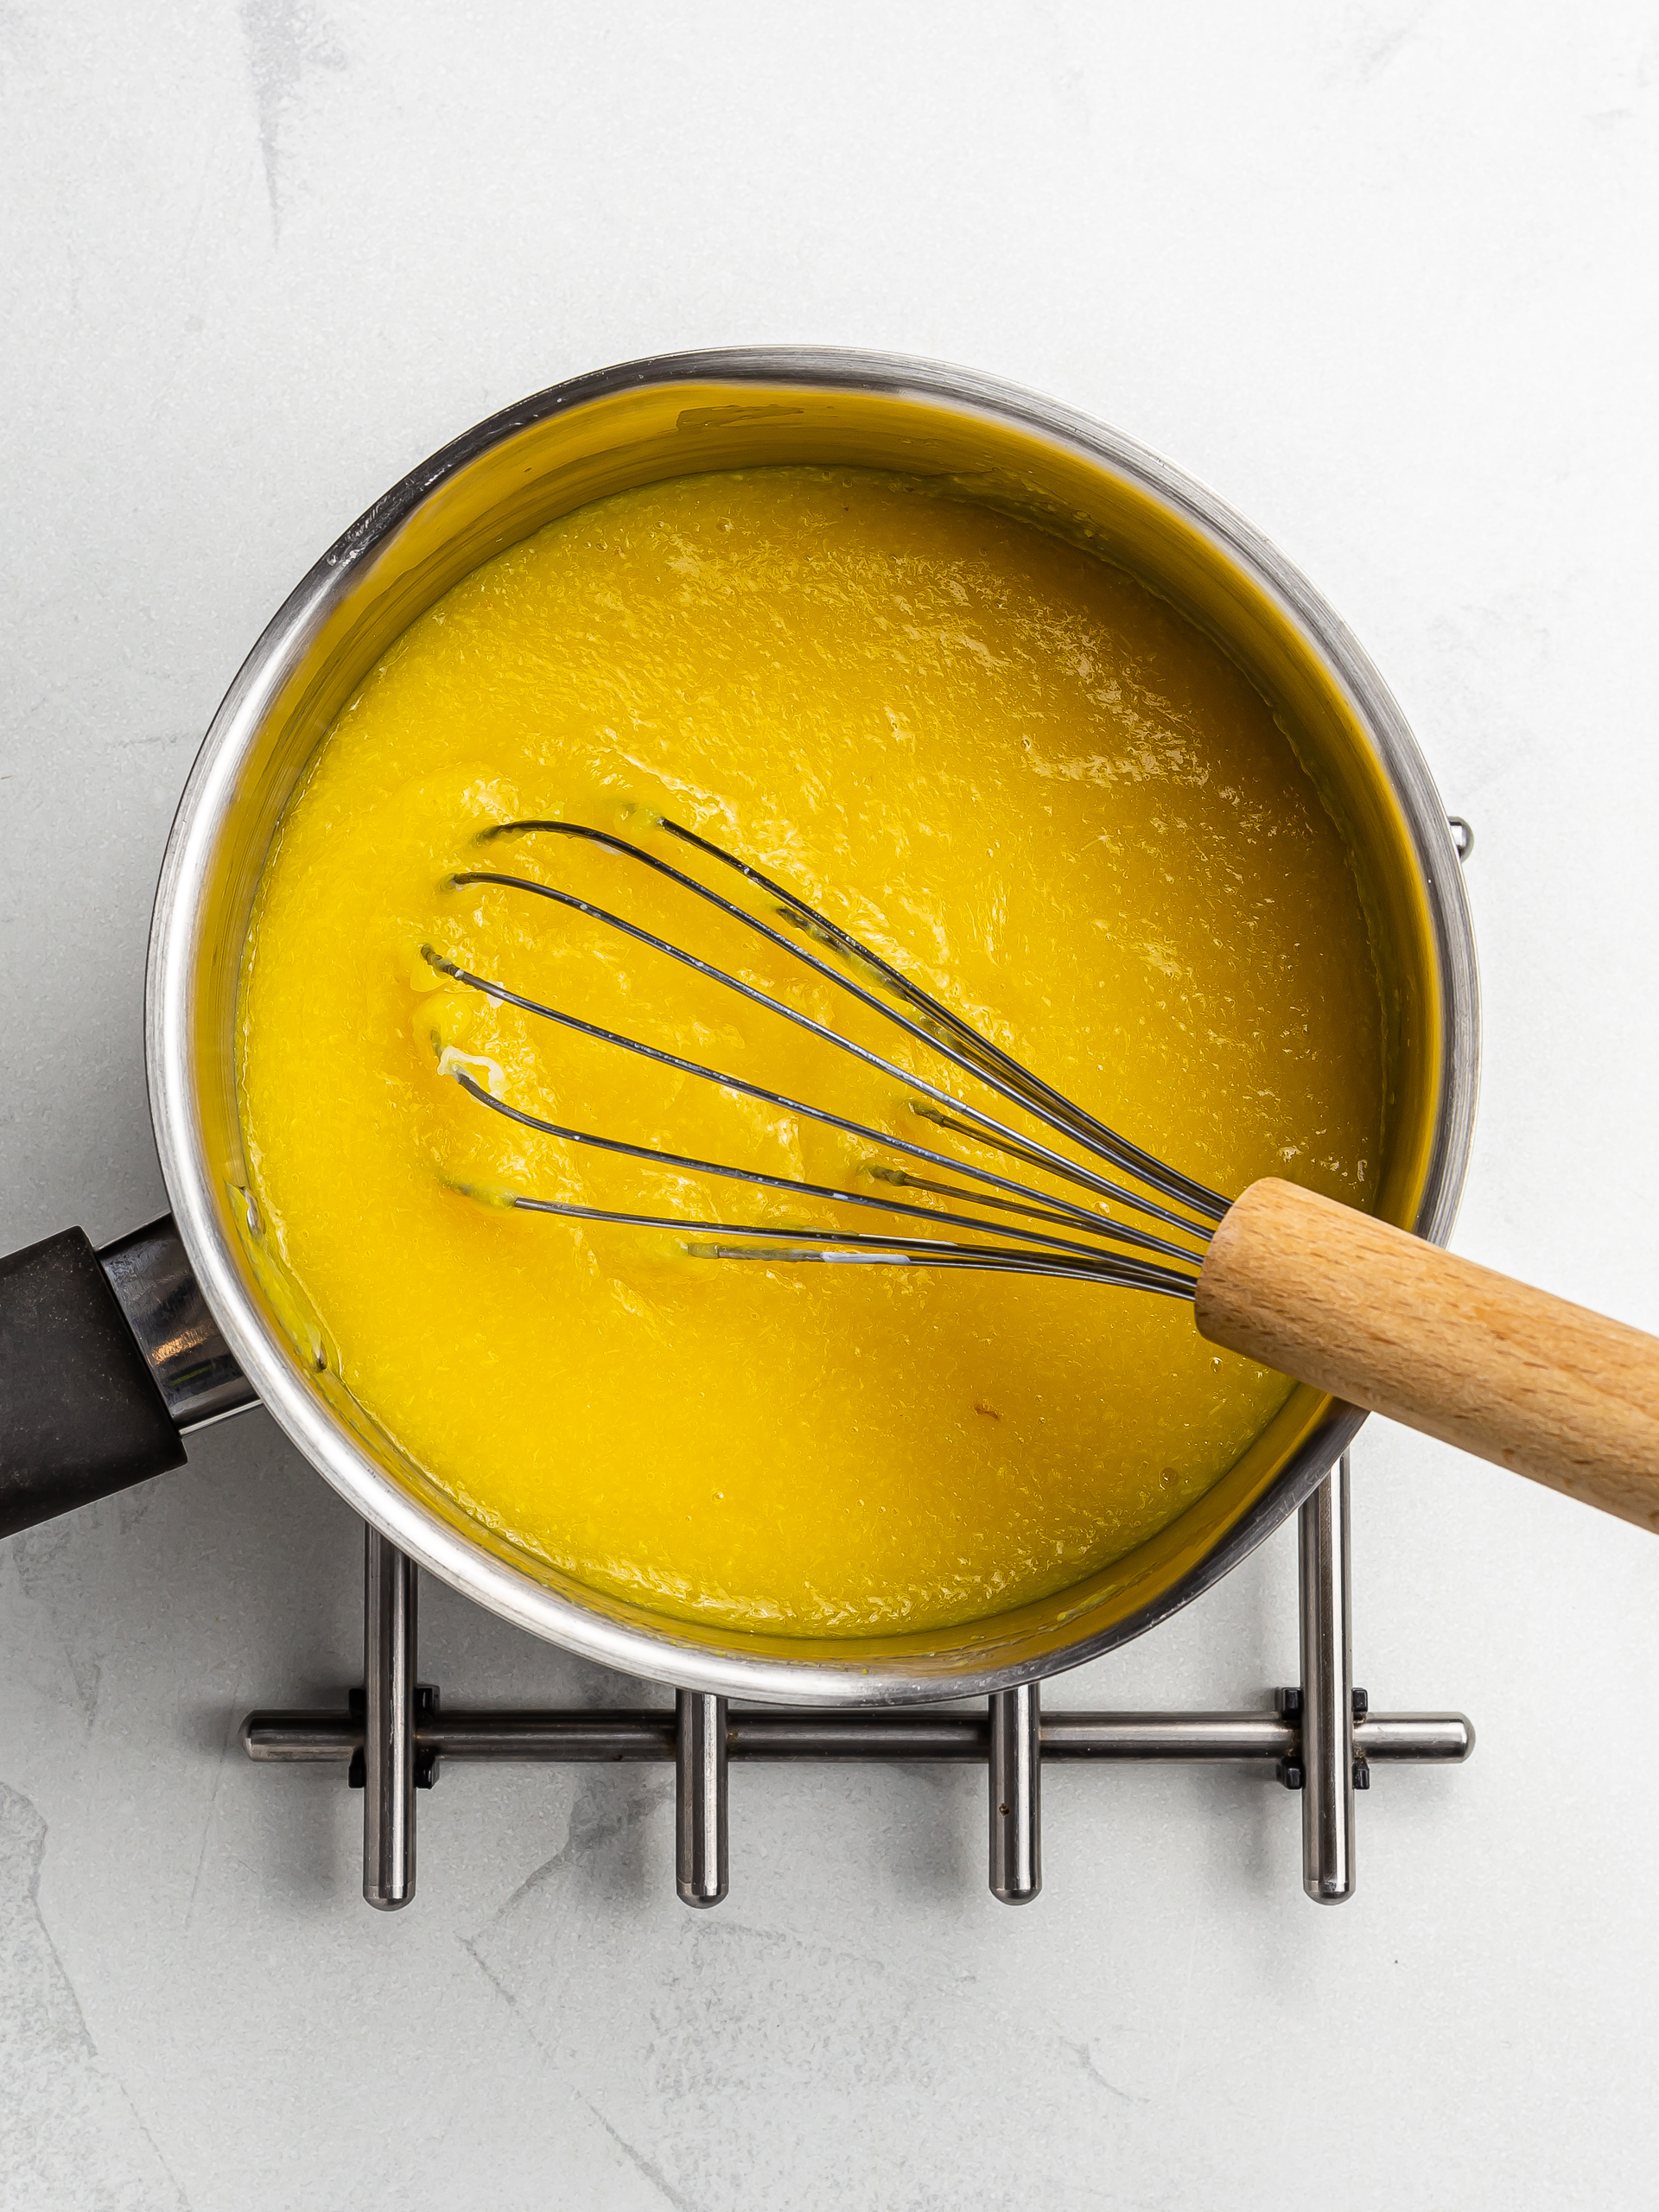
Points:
(1018, 775)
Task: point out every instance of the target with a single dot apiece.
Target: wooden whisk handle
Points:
(1384, 1320)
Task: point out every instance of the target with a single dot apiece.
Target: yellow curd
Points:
(1020, 777)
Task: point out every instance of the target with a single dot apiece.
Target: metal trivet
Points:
(394, 1736)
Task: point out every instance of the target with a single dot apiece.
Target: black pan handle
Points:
(106, 1358)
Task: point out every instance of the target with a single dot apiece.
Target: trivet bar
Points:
(387, 1732)
(1016, 1779)
(700, 1751)
(1328, 1762)
(910, 1736)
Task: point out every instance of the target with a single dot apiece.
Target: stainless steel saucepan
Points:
(105, 1359)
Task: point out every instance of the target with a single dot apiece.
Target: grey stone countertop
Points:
(1383, 274)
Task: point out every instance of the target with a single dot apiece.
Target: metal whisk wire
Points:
(928, 1023)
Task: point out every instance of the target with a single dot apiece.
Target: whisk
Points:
(1323, 1294)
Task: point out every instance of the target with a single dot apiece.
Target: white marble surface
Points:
(1383, 274)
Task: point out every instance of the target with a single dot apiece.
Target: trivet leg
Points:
(1016, 1795)
(700, 1798)
(388, 1724)
(1327, 1693)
